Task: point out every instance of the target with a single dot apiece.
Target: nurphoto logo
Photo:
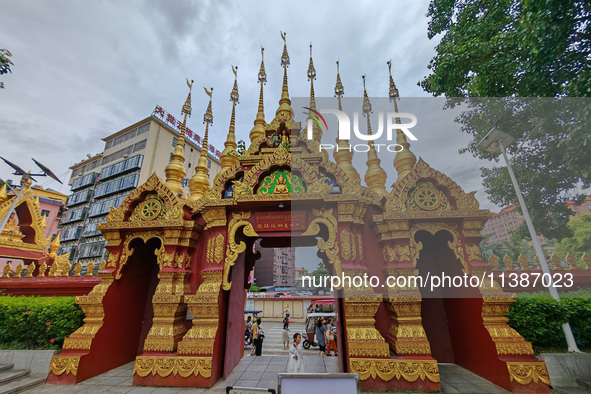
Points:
(344, 129)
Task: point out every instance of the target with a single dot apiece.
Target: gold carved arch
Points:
(38, 223)
(432, 228)
(239, 220)
(329, 246)
(126, 252)
(442, 187)
(171, 206)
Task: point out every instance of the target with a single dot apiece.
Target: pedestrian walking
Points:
(296, 355)
(254, 332)
(260, 337)
(330, 339)
(321, 336)
(285, 333)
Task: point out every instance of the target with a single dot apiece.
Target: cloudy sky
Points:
(84, 70)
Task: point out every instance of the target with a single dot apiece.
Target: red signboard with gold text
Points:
(280, 221)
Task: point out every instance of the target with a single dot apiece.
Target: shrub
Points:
(37, 322)
(539, 319)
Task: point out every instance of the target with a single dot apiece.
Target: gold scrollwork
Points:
(234, 249)
(433, 227)
(346, 244)
(112, 259)
(329, 246)
(61, 364)
(164, 259)
(474, 252)
(386, 370)
(527, 372)
(218, 253)
(164, 366)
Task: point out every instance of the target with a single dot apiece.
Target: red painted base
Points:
(174, 381)
(402, 385)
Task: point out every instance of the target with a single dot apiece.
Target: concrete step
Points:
(18, 386)
(584, 382)
(571, 390)
(5, 367)
(10, 375)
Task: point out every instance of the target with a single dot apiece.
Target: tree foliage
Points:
(581, 239)
(516, 49)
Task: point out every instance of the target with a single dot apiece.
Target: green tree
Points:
(320, 272)
(515, 49)
(5, 63)
(581, 239)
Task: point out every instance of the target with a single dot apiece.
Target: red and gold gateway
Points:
(170, 253)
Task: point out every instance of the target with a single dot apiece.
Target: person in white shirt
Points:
(296, 355)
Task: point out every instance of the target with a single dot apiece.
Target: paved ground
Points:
(262, 372)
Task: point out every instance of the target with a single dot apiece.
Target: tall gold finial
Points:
(316, 130)
(200, 181)
(405, 160)
(259, 123)
(175, 170)
(375, 177)
(343, 154)
(229, 157)
(284, 111)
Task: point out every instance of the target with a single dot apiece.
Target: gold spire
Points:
(405, 160)
(343, 154)
(175, 170)
(375, 177)
(259, 123)
(284, 111)
(229, 156)
(316, 130)
(200, 181)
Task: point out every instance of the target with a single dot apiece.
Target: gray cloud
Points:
(83, 70)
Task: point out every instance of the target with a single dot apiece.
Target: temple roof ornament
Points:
(316, 130)
(343, 155)
(229, 156)
(284, 113)
(405, 160)
(199, 183)
(175, 170)
(375, 176)
(259, 123)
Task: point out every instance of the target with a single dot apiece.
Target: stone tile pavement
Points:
(259, 372)
(262, 372)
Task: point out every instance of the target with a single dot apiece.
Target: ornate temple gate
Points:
(202, 246)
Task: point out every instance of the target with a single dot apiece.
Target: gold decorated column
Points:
(343, 154)
(405, 160)
(316, 130)
(200, 181)
(175, 170)
(229, 157)
(375, 177)
(259, 123)
(284, 111)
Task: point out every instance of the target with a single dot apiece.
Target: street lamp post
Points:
(495, 142)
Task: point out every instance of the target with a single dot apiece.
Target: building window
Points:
(174, 141)
(140, 145)
(45, 213)
(208, 163)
